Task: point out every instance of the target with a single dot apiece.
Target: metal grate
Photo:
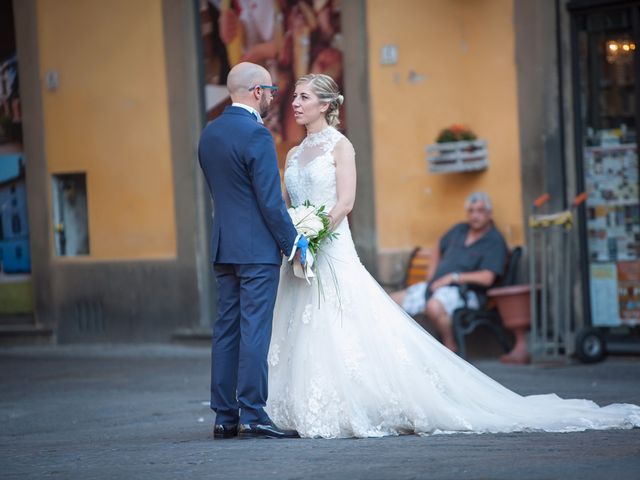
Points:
(88, 317)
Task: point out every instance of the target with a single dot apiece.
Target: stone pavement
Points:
(141, 412)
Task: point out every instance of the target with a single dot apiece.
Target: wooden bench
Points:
(418, 267)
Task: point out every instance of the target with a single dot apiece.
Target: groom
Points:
(251, 231)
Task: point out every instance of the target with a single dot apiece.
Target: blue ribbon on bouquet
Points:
(303, 269)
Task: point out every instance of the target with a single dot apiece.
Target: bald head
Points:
(244, 76)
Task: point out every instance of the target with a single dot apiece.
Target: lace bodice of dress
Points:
(310, 172)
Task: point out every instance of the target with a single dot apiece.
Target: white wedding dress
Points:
(348, 362)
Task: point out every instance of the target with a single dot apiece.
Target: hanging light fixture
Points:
(616, 49)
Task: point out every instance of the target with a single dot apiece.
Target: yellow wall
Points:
(109, 118)
(465, 51)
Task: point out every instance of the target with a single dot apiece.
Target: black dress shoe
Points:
(264, 430)
(225, 431)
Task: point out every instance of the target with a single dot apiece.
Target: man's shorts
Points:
(449, 296)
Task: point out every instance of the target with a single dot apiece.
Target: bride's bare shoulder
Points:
(344, 147)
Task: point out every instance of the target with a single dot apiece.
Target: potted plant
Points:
(457, 149)
(513, 303)
(456, 133)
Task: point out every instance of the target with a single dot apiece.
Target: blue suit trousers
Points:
(241, 337)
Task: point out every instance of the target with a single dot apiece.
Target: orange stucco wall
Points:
(456, 64)
(109, 118)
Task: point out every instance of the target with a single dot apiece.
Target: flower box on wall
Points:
(460, 156)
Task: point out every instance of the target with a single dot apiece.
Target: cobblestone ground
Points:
(111, 412)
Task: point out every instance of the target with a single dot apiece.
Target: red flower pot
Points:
(514, 306)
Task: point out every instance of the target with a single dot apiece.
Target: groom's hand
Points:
(303, 246)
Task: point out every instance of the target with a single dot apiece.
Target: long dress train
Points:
(346, 361)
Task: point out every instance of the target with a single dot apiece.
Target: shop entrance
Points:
(606, 44)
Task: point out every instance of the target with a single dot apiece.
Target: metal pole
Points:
(558, 322)
(569, 330)
(544, 276)
(534, 292)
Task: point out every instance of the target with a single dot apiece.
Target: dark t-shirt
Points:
(489, 252)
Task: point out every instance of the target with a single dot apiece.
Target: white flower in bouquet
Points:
(314, 223)
(307, 220)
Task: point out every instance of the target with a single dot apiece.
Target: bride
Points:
(346, 361)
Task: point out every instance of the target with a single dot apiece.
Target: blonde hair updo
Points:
(327, 91)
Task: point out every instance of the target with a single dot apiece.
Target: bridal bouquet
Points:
(314, 223)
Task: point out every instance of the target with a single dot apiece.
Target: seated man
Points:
(472, 253)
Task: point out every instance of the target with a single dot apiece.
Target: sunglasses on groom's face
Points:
(273, 88)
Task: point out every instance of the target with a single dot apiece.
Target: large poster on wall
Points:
(288, 37)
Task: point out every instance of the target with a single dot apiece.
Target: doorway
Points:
(606, 44)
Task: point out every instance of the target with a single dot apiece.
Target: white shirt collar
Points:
(249, 109)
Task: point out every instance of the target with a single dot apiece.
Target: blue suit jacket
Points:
(250, 223)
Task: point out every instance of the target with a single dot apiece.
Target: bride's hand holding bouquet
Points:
(315, 224)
